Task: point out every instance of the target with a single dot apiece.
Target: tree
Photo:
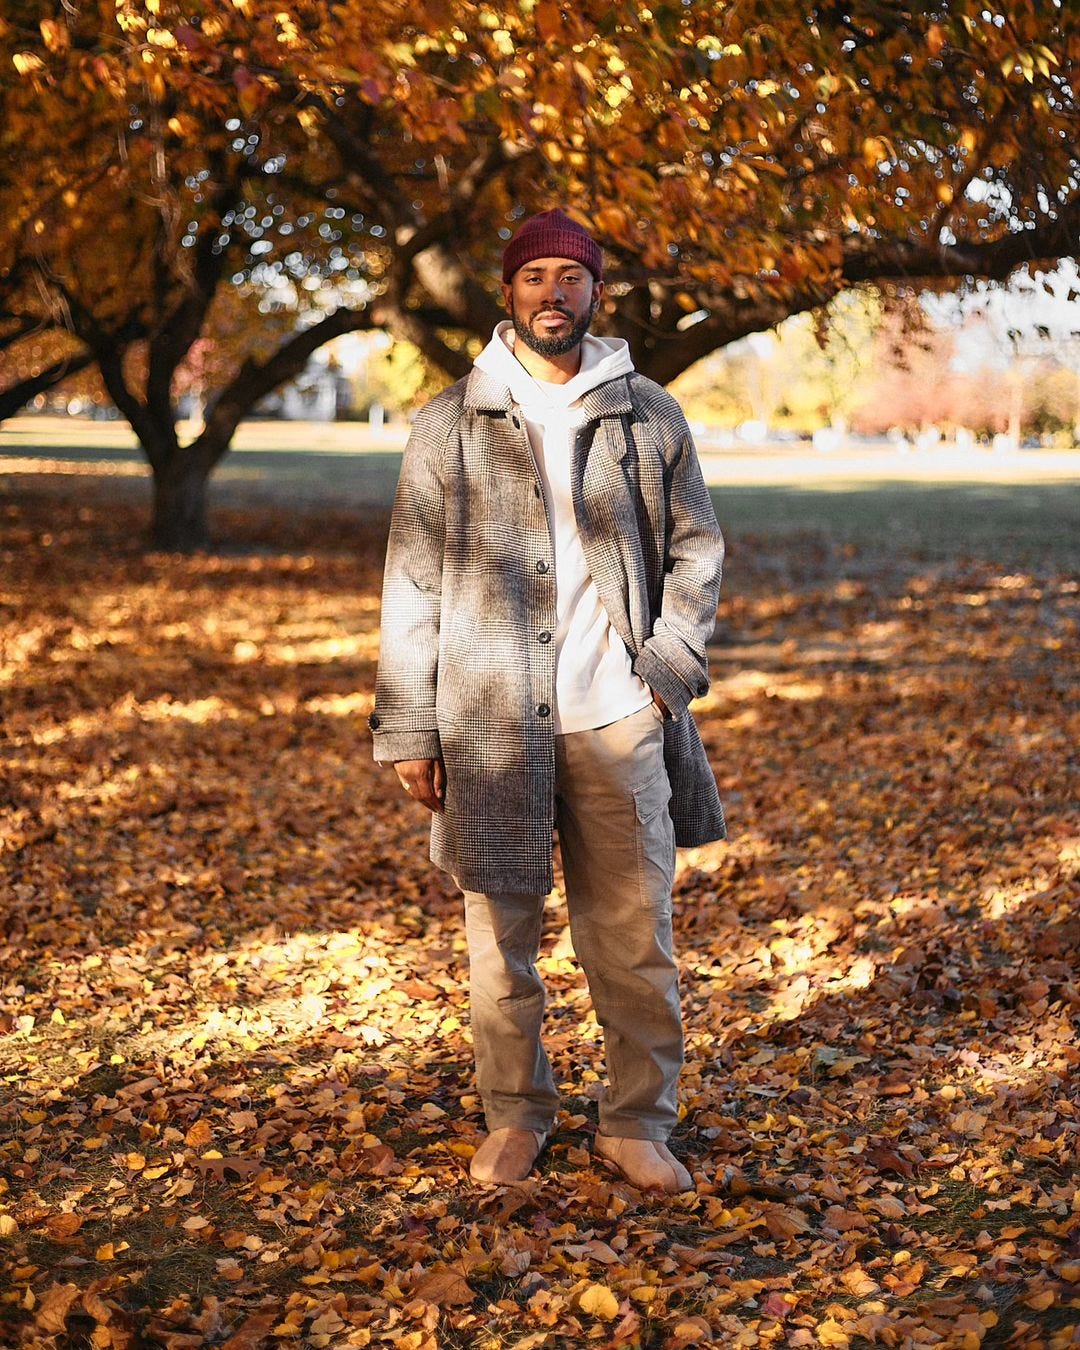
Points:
(740, 164)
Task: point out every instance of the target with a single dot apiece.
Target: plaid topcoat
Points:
(467, 660)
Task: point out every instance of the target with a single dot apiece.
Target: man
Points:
(551, 582)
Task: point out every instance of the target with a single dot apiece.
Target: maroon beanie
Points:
(552, 234)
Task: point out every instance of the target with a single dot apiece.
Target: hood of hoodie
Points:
(602, 359)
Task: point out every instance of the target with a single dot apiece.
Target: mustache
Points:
(551, 311)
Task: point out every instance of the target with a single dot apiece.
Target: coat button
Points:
(536, 489)
(541, 567)
(373, 721)
(545, 636)
(542, 710)
(516, 422)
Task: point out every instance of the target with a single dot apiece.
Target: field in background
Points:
(1019, 507)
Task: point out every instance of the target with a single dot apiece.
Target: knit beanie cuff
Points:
(552, 234)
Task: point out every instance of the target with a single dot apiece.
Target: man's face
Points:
(552, 302)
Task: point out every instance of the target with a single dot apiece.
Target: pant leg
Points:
(618, 850)
(513, 1074)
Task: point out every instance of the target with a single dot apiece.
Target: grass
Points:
(860, 510)
(1017, 525)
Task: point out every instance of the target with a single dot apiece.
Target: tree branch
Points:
(993, 259)
(181, 322)
(255, 380)
(18, 395)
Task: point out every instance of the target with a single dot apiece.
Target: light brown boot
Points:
(645, 1163)
(506, 1155)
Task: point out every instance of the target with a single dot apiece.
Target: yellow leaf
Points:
(831, 1333)
(8, 1226)
(55, 35)
(105, 1252)
(196, 1222)
(693, 1331)
(1044, 1299)
(136, 1162)
(26, 63)
(598, 1300)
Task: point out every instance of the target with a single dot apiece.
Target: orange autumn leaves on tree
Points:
(672, 125)
(749, 161)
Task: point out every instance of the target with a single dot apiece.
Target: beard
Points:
(555, 344)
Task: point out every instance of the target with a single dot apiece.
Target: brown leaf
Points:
(61, 1226)
(96, 1307)
(889, 1160)
(229, 1169)
(378, 1161)
(443, 1286)
(252, 1333)
(786, 1223)
(777, 1305)
(52, 1310)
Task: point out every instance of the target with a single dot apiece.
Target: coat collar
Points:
(483, 393)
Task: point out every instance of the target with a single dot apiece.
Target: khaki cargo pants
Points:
(618, 852)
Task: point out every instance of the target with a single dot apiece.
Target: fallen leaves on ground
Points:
(239, 1106)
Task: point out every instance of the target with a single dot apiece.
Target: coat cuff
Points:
(659, 676)
(393, 746)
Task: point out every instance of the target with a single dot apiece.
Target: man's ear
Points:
(508, 296)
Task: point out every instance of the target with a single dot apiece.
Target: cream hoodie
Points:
(594, 682)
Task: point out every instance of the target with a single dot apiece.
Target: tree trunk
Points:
(180, 522)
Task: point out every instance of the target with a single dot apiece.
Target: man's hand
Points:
(659, 703)
(424, 780)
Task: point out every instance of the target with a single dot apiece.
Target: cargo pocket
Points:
(655, 835)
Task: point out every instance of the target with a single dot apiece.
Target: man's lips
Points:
(552, 319)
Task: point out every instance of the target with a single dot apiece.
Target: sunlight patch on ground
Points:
(999, 901)
(316, 651)
(341, 705)
(75, 467)
(748, 684)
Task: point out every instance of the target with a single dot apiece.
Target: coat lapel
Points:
(603, 503)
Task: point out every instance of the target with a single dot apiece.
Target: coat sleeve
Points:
(672, 660)
(403, 724)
